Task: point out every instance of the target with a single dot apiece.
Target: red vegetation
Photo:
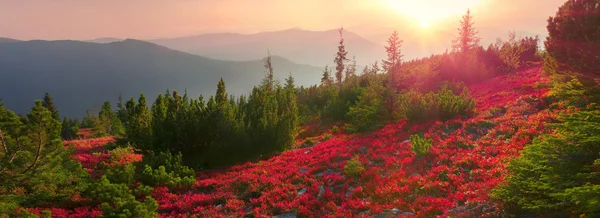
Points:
(464, 164)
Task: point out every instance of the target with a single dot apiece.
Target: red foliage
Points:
(467, 160)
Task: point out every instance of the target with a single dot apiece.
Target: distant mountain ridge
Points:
(8, 40)
(80, 74)
(301, 46)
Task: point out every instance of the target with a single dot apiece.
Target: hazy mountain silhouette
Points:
(301, 46)
(105, 40)
(6, 40)
(80, 75)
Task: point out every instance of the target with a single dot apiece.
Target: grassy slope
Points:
(466, 162)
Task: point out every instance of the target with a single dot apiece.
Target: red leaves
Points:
(464, 164)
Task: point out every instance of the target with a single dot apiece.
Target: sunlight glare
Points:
(424, 24)
(426, 12)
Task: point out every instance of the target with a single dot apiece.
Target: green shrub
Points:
(165, 169)
(419, 145)
(119, 198)
(369, 111)
(327, 137)
(335, 129)
(557, 175)
(445, 104)
(354, 168)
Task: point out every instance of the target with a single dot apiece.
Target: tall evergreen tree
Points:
(269, 76)
(289, 82)
(48, 104)
(394, 58)
(109, 120)
(467, 35)
(573, 41)
(340, 58)
(326, 80)
(221, 96)
(35, 167)
(375, 68)
(351, 69)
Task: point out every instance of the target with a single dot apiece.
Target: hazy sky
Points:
(88, 19)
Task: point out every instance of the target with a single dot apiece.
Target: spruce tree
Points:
(289, 83)
(269, 76)
(33, 161)
(48, 104)
(221, 96)
(110, 121)
(573, 41)
(351, 69)
(467, 35)
(394, 57)
(326, 80)
(340, 58)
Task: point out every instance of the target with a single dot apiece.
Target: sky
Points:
(150, 19)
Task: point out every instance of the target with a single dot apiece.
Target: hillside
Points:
(301, 46)
(466, 162)
(80, 75)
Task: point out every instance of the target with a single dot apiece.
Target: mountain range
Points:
(80, 75)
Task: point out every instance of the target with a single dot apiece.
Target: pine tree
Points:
(326, 79)
(221, 96)
(110, 121)
(340, 58)
(289, 83)
(33, 161)
(48, 104)
(375, 68)
(467, 35)
(394, 57)
(573, 41)
(269, 76)
(351, 69)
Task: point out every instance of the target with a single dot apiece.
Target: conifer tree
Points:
(573, 41)
(289, 83)
(351, 69)
(110, 121)
(33, 161)
(340, 58)
(394, 58)
(375, 68)
(221, 96)
(467, 35)
(48, 104)
(326, 80)
(269, 76)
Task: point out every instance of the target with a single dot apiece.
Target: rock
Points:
(349, 192)
(395, 210)
(383, 215)
(303, 170)
(249, 208)
(306, 152)
(286, 215)
(219, 206)
(407, 214)
(321, 192)
(329, 171)
(319, 174)
(406, 141)
(302, 191)
(366, 212)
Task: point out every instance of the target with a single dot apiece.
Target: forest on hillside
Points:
(505, 130)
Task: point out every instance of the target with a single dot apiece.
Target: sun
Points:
(424, 24)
